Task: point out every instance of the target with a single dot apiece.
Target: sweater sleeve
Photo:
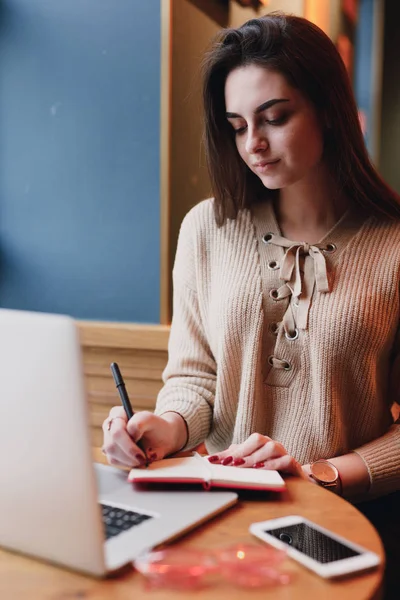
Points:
(382, 456)
(190, 375)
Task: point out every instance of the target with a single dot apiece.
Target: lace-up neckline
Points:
(303, 268)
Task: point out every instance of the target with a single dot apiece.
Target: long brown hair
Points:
(308, 59)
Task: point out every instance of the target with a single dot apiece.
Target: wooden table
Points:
(23, 578)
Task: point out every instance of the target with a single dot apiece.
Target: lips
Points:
(265, 163)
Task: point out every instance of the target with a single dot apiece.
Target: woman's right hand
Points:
(158, 437)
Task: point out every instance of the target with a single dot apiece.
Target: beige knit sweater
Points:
(296, 342)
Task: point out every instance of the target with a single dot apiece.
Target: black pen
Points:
(123, 394)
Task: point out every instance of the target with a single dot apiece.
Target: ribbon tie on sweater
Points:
(297, 284)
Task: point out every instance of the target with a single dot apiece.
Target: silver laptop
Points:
(54, 503)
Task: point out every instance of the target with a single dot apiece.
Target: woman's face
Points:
(277, 130)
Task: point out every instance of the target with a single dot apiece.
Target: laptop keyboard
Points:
(116, 520)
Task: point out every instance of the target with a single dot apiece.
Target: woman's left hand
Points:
(260, 452)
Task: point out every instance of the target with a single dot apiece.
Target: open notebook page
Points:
(245, 475)
(188, 467)
(197, 468)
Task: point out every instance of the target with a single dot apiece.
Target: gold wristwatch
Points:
(326, 475)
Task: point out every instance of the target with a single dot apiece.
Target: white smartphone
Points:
(325, 553)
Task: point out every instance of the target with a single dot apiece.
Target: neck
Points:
(308, 209)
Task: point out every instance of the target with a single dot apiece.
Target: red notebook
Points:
(197, 469)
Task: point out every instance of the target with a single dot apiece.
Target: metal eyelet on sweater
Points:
(274, 328)
(286, 365)
(267, 237)
(293, 337)
(273, 265)
(329, 249)
(274, 294)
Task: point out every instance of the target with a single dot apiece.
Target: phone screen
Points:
(312, 543)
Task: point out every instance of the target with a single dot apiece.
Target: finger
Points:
(141, 427)
(112, 449)
(270, 450)
(118, 443)
(228, 453)
(252, 444)
(284, 464)
(115, 462)
(149, 433)
(107, 424)
(114, 453)
(242, 451)
(141, 423)
(118, 411)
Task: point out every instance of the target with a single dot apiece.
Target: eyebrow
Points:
(264, 106)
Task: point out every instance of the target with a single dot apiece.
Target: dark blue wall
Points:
(79, 157)
(364, 62)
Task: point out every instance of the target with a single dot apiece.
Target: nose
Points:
(256, 140)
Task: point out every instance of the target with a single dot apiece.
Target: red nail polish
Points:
(258, 465)
(140, 458)
(153, 456)
(227, 460)
(213, 459)
(238, 461)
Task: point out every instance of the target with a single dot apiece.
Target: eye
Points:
(239, 130)
(238, 126)
(278, 121)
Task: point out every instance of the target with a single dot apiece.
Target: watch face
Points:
(324, 472)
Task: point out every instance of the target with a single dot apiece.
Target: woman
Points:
(284, 347)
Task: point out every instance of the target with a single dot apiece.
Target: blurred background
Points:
(100, 138)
